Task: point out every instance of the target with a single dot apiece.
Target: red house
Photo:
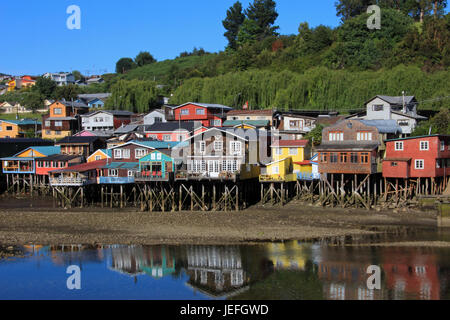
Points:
(210, 115)
(417, 157)
(55, 162)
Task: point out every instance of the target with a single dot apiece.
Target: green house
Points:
(158, 165)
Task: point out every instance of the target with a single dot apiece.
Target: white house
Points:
(61, 78)
(402, 109)
(155, 116)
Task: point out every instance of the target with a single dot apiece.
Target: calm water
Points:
(290, 270)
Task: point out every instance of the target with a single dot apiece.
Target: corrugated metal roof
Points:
(383, 126)
(254, 123)
(83, 167)
(121, 165)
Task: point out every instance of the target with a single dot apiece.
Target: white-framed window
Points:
(378, 107)
(113, 172)
(47, 123)
(293, 151)
(57, 111)
(336, 136)
(235, 165)
(126, 153)
(364, 136)
(167, 137)
(399, 146)
(419, 164)
(184, 112)
(158, 156)
(201, 147)
(200, 112)
(153, 156)
(218, 145)
(424, 145)
(58, 123)
(130, 173)
(236, 148)
(140, 153)
(97, 158)
(118, 153)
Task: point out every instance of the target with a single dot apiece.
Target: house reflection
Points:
(216, 271)
(411, 274)
(67, 254)
(155, 261)
(343, 274)
(287, 255)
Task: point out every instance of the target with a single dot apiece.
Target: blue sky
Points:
(36, 40)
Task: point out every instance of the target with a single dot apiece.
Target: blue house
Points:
(158, 165)
(24, 162)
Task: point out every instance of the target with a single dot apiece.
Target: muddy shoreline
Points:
(24, 221)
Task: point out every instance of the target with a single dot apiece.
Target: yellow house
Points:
(288, 161)
(100, 154)
(18, 128)
(287, 255)
(12, 85)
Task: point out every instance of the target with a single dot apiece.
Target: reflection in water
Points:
(291, 270)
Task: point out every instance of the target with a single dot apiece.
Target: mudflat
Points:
(28, 224)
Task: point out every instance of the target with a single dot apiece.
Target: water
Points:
(290, 270)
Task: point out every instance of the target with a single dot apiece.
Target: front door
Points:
(213, 168)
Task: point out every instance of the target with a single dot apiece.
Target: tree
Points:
(347, 9)
(439, 124)
(315, 135)
(33, 100)
(248, 33)
(67, 93)
(144, 58)
(45, 87)
(124, 65)
(232, 23)
(78, 76)
(264, 14)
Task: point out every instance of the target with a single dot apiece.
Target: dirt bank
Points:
(41, 225)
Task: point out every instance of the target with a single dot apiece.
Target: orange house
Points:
(63, 119)
(18, 128)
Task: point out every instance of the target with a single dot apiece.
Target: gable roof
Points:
(106, 152)
(73, 104)
(78, 139)
(227, 131)
(253, 123)
(170, 126)
(45, 150)
(22, 122)
(83, 167)
(290, 143)
(394, 100)
(205, 105)
(111, 112)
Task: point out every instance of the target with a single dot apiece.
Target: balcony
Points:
(308, 176)
(116, 180)
(71, 181)
(199, 176)
(277, 178)
(149, 176)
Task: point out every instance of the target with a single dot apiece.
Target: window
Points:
(200, 112)
(140, 153)
(438, 163)
(276, 170)
(399, 146)
(296, 124)
(118, 153)
(354, 157)
(57, 111)
(419, 164)
(113, 173)
(126, 153)
(293, 151)
(378, 107)
(403, 123)
(336, 136)
(48, 132)
(9, 128)
(184, 112)
(324, 157)
(201, 147)
(215, 123)
(47, 123)
(153, 156)
(333, 157)
(167, 137)
(235, 147)
(364, 136)
(97, 158)
(130, 173)
(394, 164)
(442, 145)
(343, 158)
(424, 145)
(58, 133)
(218, 145)
(58, 123)
(364, 157)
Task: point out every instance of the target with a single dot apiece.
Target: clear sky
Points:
(35, 38)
